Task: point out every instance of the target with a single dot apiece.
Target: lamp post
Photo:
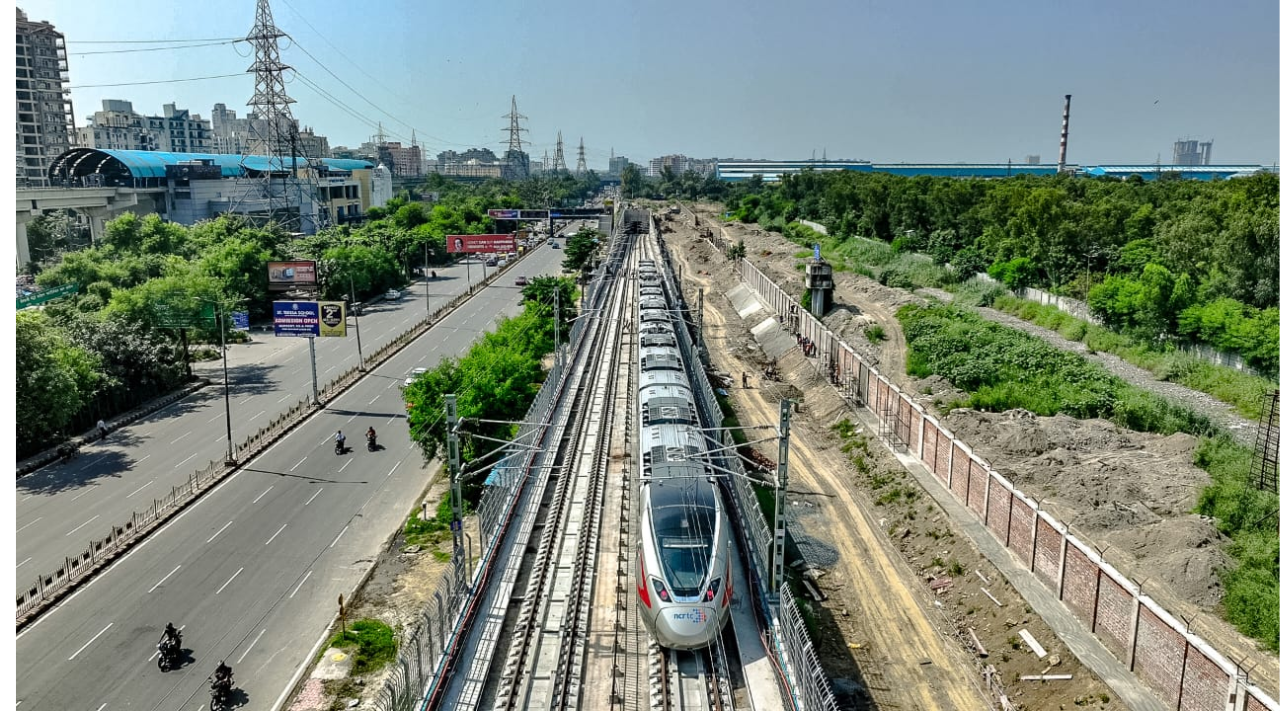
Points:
(226, 383)
(355, 321)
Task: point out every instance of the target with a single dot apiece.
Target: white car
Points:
(393, 294)
(413, 375)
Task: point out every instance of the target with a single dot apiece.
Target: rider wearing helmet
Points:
(342, 439)
(371, 435)
(172, 635)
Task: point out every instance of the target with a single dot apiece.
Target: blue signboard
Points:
(240, 320)
(817, 252)
(296, 319)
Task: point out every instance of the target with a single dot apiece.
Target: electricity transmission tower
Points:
(557, 164)
(582, 158)
(275, 133)
(517, 159)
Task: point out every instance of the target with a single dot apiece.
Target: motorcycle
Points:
(338, 448)
(170, 654)
(373, 444)
(219, 693)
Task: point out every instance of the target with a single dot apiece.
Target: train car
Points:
(684, 583)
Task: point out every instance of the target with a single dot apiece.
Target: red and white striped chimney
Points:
(1062, 145)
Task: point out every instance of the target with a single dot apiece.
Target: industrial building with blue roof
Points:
(144, 168)
(773, 170)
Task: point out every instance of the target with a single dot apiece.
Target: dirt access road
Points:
(905, 588)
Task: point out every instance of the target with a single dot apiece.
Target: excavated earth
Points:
(1130, 494)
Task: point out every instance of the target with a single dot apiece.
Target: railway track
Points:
(546, 653)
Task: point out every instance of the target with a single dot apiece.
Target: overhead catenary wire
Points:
(149, 42)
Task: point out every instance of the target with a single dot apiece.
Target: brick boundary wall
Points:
(1180, 667)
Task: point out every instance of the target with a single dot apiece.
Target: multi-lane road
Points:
(61, 508)
(253, 569)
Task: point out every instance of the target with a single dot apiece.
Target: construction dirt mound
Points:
(1127, 491)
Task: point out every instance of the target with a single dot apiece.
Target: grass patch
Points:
(1243, 391)
(371, 641)
(1004, 369)
(875, 334)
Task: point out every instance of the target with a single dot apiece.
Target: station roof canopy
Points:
(140, 164)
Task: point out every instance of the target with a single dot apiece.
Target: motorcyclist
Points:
(172, 635)
(342, 440)
(433, 274)
(371, 436)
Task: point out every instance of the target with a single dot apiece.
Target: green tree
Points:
(579, 250)
(55, 380)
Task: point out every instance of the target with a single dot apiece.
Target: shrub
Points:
(875, 334)
(373, 641)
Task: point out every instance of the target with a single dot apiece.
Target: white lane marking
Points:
(101, 706)
(86, 492)
(144, 459)
(295, 465)
(393, 468)
(215, 418)
(224, 527)
(184, 462)
(286, 397)
(304, 579)
(393, 384)
(255, 417)
(95, 637)
(166, 577)
(344, 465)
(135, 492)
(313, 497)
(331, 369)
(228, 582)
(95, 462)
(220, 437)
(335, 540)
(392, 419)
(264, 492)
(81, 525)
(375, 399)
(273, 537)
(24, 562)
(255, 642)
(175, 440)
(245, 400)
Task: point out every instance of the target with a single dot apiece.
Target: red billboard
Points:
(291, 274)
(480, 243)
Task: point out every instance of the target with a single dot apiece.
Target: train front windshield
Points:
(686, 537)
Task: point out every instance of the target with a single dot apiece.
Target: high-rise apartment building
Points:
(232, 135)
(1192, 152)
(180, 131)
(617, 164)
(46, 124)
(116, 127)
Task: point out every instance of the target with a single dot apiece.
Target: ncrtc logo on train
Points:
(697, 615)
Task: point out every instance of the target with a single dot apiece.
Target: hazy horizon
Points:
(881, 81)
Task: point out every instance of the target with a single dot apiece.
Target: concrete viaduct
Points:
(100, 204)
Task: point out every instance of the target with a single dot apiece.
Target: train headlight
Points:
(661, 589)
(713, 589)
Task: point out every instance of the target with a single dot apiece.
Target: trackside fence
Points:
(34, 599)
(1180, 667)
(787, 638)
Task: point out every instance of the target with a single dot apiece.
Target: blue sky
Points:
(883, 80)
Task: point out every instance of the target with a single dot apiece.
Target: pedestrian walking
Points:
(102, 429)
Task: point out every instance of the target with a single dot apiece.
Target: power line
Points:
(154, 49)
(154, 82)
(344, 84)
(336, 48)
(325, 94)
(148, 42)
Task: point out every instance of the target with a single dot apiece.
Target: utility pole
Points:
(315, 382)
(226, 385)
(426, 273)
(699, 338)
(455, 470)
(780, 500)
(354, 321)
(557, 325)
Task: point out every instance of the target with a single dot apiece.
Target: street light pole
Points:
(426, 273)
(226, 384)
(355, 321)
